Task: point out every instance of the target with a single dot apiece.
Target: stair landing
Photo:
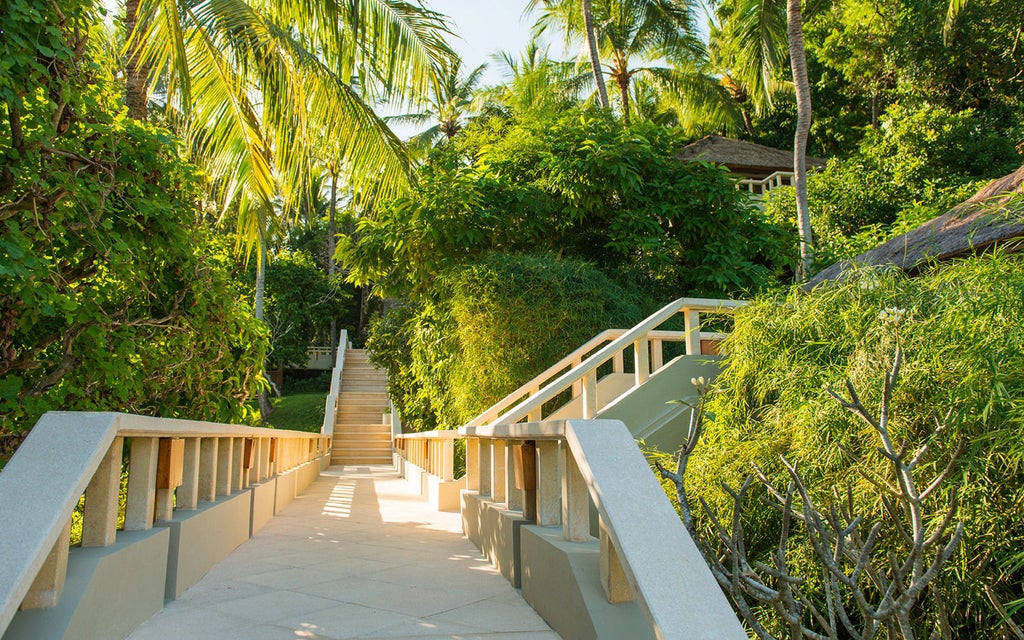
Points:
(358, 555)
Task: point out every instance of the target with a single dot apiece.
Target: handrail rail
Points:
(68, 453)
(540, 379)
(331, 403)
(639, 332)
(646, 552)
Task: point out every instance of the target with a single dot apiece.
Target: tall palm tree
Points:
(752, 37)
(575, 17)
(798, 63)
(255, 84)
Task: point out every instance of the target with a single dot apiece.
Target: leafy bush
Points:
(300, 301)
(959, 327)
(579, 184)
(920, 163)
(488, 327)
(112, 297)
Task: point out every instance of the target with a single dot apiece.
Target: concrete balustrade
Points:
(636, 574)
(577, 373)
(192, 497)
(427, 460)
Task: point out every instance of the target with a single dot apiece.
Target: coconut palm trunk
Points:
(332, 268)
(798, 62)
(595, 59)
(261, 285)
(136, 74)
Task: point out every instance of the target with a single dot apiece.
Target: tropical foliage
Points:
(481, 330)
(958, 328)
(576, 184)
(112, 293)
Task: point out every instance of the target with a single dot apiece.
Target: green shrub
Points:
(960, 329)
(113, 297)
(487, 328)
(579, 184)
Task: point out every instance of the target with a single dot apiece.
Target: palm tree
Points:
(798, 63)
(533, 82)
(746, 47)
(449, 102)
(647, 30)
(255, 85)
(572, 16)
(752, 38)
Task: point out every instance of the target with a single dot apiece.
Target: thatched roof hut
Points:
(744, 158)
(994, 215)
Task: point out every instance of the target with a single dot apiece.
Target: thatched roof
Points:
(992, 216)
(742, 157)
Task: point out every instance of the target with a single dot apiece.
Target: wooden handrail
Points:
(640, 332)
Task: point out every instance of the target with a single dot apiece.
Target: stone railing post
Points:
(513, 495)
(473, 464)
(45, 590)
(692, 326)
(448, 463)
(642, 360)
(575, 500)
(498, 488)
(590, 395)
(549, 484)
(486, 445)
(613, 577)
(208, 469)
(99, 520)
(141, 484)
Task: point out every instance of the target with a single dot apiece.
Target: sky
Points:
(485, 27)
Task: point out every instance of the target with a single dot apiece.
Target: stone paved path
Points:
(358, 555)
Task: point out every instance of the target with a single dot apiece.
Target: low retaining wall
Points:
(111, 590)
(441, 494)
(561, 580)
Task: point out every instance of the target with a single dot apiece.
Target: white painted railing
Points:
(643, 340)
(764, 185)
(549, 472)
(173, 465)
(331, 404)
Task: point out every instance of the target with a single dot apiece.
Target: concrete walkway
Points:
(359, 555)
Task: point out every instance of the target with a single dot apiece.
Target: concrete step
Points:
(360, 460)
(362, 436)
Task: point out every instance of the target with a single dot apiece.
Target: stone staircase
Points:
(360, 436)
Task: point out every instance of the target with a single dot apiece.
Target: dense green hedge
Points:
(488, 327)
(961, 330)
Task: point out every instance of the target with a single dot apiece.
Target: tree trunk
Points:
(874, 108)
(595, 59)
(747, 123)
(261, 285)
(332, 268)
(623, 82)
(136, 74)
(798, 61)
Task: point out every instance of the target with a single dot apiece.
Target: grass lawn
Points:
(298, 411)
